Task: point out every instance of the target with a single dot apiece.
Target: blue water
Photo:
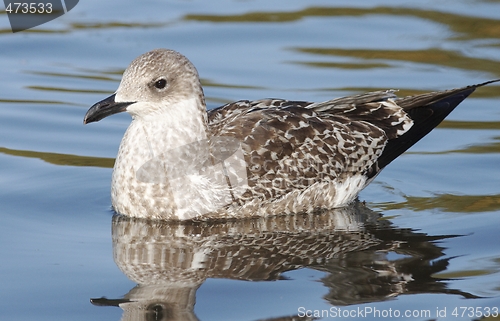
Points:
(56, 220)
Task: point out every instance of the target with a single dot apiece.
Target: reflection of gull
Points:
(170, 260)
(289, 156)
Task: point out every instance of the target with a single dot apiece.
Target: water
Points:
(426, 240)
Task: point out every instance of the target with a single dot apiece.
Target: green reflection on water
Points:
(471, 125)
(465, 27)
(28, 101)
(79, 76)
(448, 203)
(482, 149)
(431, 56)
(463, 274)
(343, 65)
(62, 90)
(111, 25)
(493, 147)
(62, 159)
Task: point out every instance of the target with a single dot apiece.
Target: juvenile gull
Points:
(252, 158)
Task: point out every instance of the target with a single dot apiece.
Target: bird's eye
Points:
(160, 83)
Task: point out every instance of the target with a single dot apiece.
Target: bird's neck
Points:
(179, 124)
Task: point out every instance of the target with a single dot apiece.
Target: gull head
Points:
(151, 84)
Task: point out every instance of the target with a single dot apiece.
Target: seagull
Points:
(178, 161)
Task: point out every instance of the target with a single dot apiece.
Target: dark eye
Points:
(160, 83)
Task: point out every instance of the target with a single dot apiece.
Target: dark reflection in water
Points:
(432, 56)
(464, 26)
(170, 260)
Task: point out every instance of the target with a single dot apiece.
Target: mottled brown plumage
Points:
(252, 158)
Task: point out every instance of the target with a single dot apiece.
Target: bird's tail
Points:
(427, 111)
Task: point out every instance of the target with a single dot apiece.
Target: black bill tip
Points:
(103, 302)
(105, 108)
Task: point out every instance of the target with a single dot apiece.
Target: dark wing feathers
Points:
(411, 102)
(292, 144)
(292, 147)
(427, 111)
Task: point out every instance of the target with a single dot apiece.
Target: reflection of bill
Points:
(212, 171)
(28, 14)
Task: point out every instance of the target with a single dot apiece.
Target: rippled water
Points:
(427, 238)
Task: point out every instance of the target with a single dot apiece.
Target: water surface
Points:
(427, 238)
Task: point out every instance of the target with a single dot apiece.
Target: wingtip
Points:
(483, 83)
(427, 111)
